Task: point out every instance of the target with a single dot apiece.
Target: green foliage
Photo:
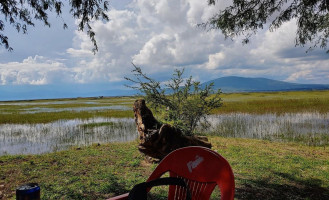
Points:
(21, 14)
(182, 103)
(246, 17)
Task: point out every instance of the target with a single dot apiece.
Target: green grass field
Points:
(263, 170)
(275, 102)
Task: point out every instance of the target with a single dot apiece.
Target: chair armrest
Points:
(121, 197)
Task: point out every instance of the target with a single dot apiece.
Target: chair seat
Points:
(201, 168)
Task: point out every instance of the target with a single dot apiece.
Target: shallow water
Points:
(310, 128)
(63, 134)
(45, 103)
(74, 109)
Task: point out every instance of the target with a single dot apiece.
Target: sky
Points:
(156, 35)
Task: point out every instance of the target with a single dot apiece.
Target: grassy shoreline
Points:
(19, 118)
(263, 170)
(14, 112)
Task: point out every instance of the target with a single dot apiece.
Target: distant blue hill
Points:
(29, 92)
(231, 84)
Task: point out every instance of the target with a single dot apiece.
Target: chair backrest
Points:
(201, 168)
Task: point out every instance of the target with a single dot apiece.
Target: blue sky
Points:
(158, 36)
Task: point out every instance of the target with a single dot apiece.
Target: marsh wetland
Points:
(92, 158)
(42, 126)
(63, 134)
(96, 122)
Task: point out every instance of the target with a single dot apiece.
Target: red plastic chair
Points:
(201, 168)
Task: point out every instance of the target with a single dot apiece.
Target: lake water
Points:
(63, 134)
(310, 128)
(75, 109)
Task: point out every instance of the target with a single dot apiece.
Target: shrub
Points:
(182, 103)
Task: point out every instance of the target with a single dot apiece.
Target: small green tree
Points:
(182, 103)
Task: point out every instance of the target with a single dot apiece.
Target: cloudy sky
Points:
(158, 36)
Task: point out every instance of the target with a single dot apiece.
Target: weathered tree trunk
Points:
(156, 139)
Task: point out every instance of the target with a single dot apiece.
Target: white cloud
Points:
(160, 49)
(158, 35)
(295, 76)
(274, 42)
(272, 55)
(312, 72)
(175, 38)
(36, 70)
(152, 34)
(214, 60)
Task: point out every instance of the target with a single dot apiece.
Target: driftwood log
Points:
(156, 139)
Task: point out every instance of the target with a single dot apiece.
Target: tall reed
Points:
(311, 128)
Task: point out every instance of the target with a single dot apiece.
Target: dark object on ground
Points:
(29, 191)
(158, 140)
(140, 190)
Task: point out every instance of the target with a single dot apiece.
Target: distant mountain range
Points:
(231, 84)
(29, 92)
(228, 84)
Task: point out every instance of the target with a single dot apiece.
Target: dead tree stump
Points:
(156, 139)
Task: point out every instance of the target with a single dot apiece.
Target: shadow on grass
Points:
(296, 189)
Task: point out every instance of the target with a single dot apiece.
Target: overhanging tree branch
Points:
(23, 13)
(246, 17)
